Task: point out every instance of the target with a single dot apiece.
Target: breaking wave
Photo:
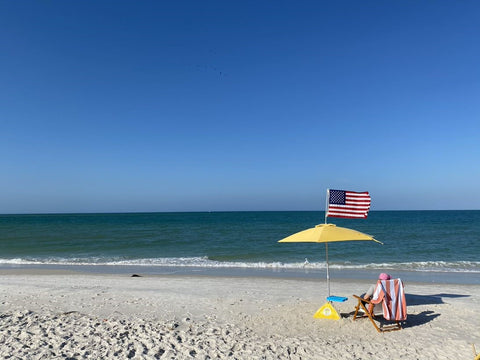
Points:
(205, 262)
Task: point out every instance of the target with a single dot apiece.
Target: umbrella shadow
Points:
(436, 299)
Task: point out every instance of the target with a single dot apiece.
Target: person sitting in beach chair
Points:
(367, 296)
(371, 289)
(390, 294)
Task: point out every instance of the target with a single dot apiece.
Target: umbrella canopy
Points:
(326, 233)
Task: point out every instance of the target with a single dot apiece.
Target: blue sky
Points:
(249, 105)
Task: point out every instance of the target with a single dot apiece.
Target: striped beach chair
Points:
(391, 295)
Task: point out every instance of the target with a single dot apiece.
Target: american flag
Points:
(348, 204)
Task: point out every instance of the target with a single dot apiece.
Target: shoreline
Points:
(78, 315)
(436, 277)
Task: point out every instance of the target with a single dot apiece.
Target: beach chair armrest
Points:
(365, 301)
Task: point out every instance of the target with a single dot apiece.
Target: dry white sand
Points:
(85, 316)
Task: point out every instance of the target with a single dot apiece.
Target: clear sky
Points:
(238, 105)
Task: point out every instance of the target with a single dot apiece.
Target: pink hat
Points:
(384, 276)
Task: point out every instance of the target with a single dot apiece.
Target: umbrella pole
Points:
(328, 275)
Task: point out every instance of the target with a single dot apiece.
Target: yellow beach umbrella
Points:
(326, 233)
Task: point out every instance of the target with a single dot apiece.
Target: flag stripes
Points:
(348, 204)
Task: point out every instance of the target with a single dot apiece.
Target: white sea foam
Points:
(205, 262)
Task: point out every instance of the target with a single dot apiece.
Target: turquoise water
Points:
(446, 242)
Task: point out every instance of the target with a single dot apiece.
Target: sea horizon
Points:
(208, 211)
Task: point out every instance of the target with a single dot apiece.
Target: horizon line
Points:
(209, 211)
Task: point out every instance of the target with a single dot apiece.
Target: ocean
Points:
(432, 246)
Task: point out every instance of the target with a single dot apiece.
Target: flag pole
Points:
(326, 204)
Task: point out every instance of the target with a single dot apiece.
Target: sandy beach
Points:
(50, 315)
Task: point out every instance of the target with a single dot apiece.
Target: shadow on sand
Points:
(413, 300)
(420, 318)
(428, 315)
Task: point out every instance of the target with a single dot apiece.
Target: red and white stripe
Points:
(357, 205)
(392, 296)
